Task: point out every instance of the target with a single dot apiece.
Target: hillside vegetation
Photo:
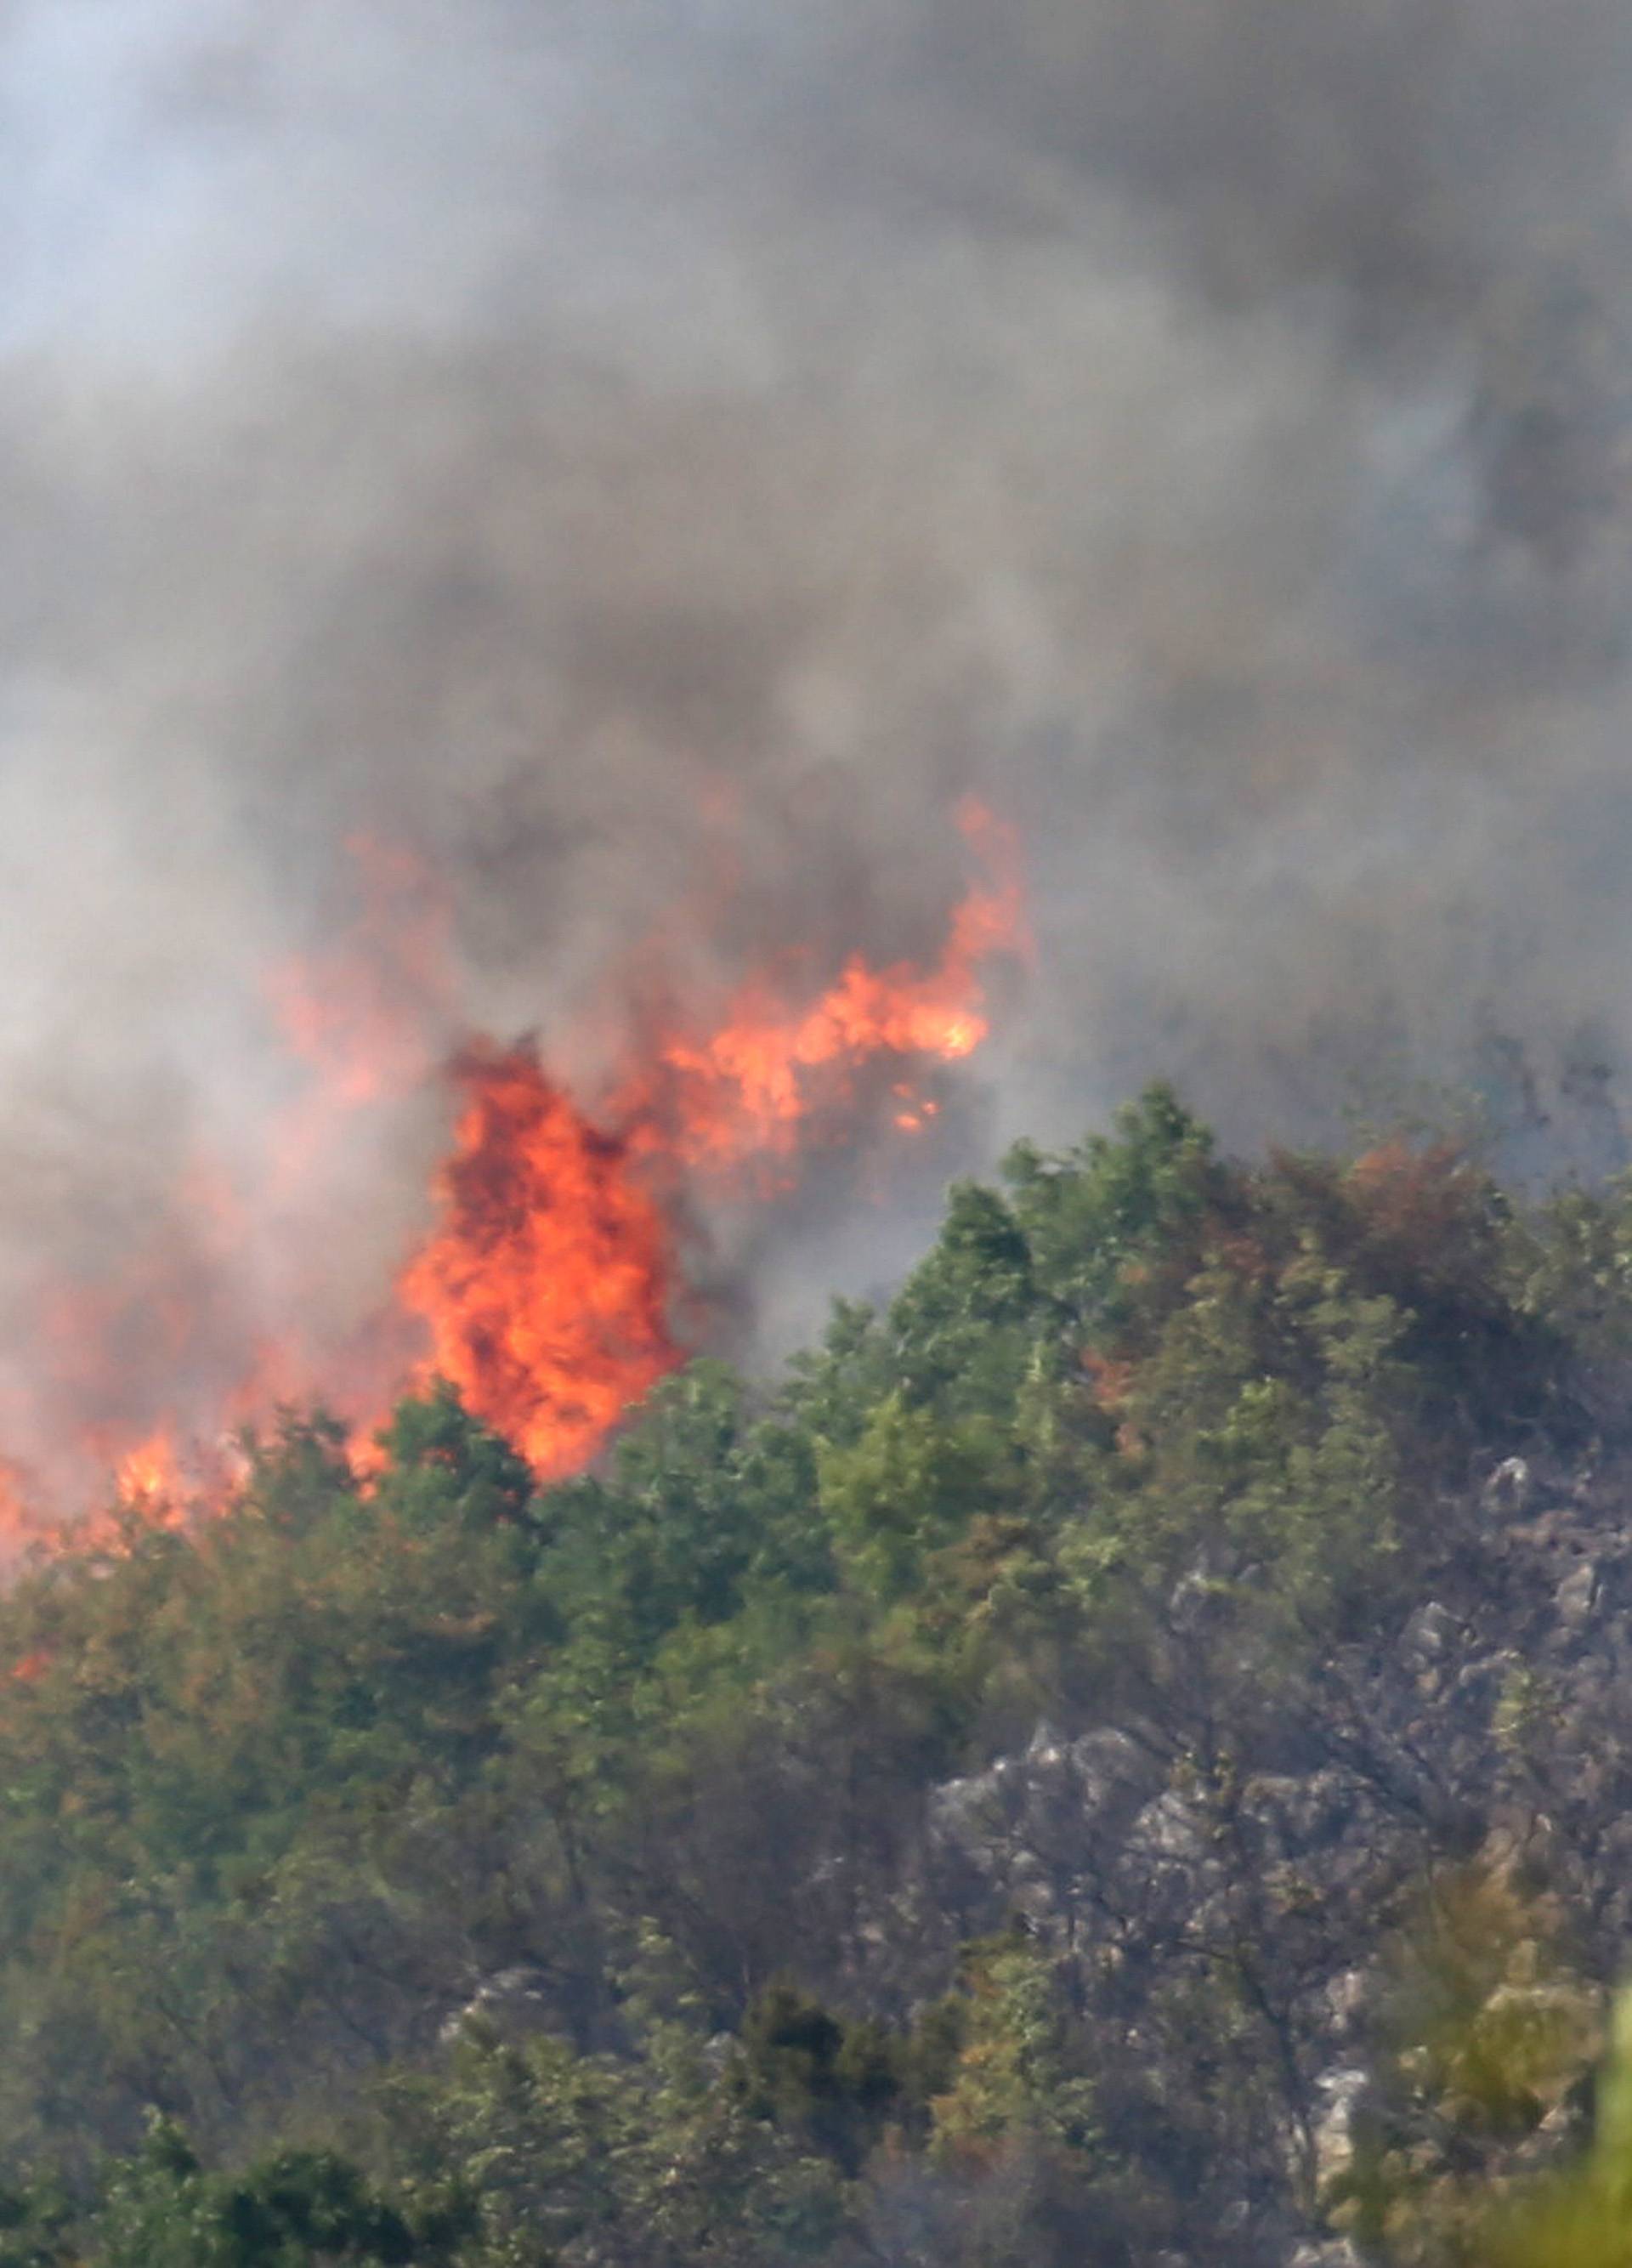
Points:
(1122, 1757)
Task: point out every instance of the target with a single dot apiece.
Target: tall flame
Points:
(545, 1287)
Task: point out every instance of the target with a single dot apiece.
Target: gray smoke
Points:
(653, 459)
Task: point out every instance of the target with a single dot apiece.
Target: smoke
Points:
(651, 460)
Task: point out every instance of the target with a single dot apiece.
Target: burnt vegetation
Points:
(1121, 1756)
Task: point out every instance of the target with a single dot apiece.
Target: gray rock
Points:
(1105, 1762)
(1196, 1598)
(1345, 1997)
(1170, 1831)
(1509, 1491)
(511, 2000)
(1046, 1748)
(1339, 2091)
(1428, 1635)
(1574, 1599)
(1297, 1813)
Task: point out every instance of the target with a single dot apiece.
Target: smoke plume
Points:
(648, 462)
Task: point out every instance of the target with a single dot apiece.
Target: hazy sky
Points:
(614, 448)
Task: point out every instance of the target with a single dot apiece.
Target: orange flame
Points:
(548, 1290)
(546, 1287)
(149, 1475)
(749, 1087)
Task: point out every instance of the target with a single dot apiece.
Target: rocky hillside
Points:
(1357, 1922)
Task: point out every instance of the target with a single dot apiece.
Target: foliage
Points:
(418, 1865)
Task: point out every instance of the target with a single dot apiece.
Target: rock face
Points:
(1233, 1910)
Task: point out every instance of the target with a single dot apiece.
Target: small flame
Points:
(148, 1475)
(749, 1088)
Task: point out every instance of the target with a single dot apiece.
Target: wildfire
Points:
(549, 1291)
(549, 1285)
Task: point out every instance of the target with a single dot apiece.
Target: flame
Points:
(149, 1474)
(547, 1286)
(751, 1087)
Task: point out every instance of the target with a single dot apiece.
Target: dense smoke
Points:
(650, 461)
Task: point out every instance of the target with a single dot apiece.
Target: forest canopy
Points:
(1102, 1760)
